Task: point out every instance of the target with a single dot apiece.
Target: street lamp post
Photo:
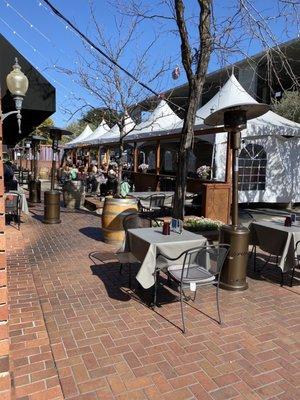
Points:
(17, 84)
(237, 236)
(34, 184)
(52, 196)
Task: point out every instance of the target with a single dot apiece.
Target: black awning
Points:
(38, 104)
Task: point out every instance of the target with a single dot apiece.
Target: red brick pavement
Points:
(77, 332)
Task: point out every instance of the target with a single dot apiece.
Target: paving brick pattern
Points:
(78, 332)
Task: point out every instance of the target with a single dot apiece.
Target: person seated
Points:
(10, 183)
(73, 172)
(65, 174)
(125, 186)
(112, 178)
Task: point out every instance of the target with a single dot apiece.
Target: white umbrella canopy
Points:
(84, 134)
(162, 119)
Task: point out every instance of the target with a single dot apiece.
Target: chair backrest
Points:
(209, 257)
(169, 201)
(157, 200)
(297, 251)
(130, 221)
(248, 214)
(134, 220)
(12, 202)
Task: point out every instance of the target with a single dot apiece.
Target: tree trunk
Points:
(185, 143)
(196, 82)
(120, 166)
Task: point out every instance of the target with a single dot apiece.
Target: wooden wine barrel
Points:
(114, 211)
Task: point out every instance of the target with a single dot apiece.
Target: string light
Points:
(26, 20)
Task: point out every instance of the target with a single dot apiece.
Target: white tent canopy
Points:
(97, 134)
(270, 132)
(84, 134)
(113, 135)
(162, 120)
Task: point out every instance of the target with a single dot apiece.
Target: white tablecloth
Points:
(277, 239)
(146, 243)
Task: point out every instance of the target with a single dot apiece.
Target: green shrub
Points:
(198, 224)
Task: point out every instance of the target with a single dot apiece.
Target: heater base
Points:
(234, 271)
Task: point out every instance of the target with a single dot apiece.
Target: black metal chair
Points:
(152, 206)
(194, 268)
(13, 207)
(252, 240)
(297, 261)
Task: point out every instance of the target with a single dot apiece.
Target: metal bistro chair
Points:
(252, 240)
(153, 206)
(195, 267)
(297, 261)
(131, 221)
(169, 205)
(13, 206)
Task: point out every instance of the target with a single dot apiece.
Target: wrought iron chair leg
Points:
(254, 257)
(194, 298)
(266, 262)
(292, 276)
(218, 306)
(121, 267)
(182, 312)
(282, 276)
(156, 276)
(129, 278)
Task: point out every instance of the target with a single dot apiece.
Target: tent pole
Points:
(228, 172)
(157, 157)
(99, 156)
(157, 164)
(135, 157)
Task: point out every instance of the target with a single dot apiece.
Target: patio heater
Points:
(34, 184)
(52, 196)
(235, 120)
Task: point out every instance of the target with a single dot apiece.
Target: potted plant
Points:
(143, 167)
(203, 172)
(204, 226)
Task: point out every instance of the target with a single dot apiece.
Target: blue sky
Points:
(46, 42)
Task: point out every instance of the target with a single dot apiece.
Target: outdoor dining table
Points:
(277, 239)
(146, 243)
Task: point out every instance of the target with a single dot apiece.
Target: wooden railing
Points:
(215, 195)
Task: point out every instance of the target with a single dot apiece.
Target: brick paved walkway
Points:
(77, 332)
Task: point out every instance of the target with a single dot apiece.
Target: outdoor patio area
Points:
(78, 332)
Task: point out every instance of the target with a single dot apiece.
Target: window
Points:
(252, 167)
(168, 161)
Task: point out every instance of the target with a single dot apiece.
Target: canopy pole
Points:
(135, 157)
(157, 157)
(99, 156)
(228, 172)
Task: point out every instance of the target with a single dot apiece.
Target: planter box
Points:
(211, 236)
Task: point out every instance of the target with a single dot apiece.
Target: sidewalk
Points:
(77, 332)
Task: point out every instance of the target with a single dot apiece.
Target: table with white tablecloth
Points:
(146, 243)
(23, 200)
(277, 239)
